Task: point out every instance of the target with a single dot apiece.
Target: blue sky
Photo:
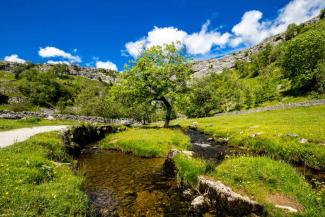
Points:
(110, 33)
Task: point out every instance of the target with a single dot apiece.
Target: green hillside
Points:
(293, 70)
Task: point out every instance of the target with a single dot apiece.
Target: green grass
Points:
(147, 142)
(267, 133)
(190, 168)
(261, 177)
(258, 178)
(291, 99)
(6, 76)
(33, 183)
(9, 124)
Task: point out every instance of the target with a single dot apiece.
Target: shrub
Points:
(301, 57)
(292, 31)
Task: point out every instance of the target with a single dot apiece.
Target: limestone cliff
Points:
(87, 72)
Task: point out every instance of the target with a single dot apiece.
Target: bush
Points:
(320, 77)
(19, 68)
(42, 88)
(302, 56)
(292, 31)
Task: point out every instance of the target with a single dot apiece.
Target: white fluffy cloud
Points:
(249, 31)
(58, 62)
(196, 43)
(296, 11)
(157, 36)
(166, 35)
(49, 52)
(106, 65)
(135, 48)
(14, 58)
(203, 41)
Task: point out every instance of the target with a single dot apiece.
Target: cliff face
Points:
(87, 72)
(204, 67)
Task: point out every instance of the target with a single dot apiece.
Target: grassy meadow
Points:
(295, 135)
(37, 179)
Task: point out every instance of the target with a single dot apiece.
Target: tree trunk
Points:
(168, 111)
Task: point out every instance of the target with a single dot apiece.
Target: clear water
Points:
(126, 185)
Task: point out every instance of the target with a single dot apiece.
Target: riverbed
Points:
(126, 185)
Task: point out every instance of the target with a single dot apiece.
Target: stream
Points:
(121, 184)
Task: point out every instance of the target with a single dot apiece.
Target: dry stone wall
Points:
(26, 114)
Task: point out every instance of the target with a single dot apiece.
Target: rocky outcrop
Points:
(200, 204)
(205, 67)
(87, 72)
(224, 200)
(169, 167)
(77, 137)
(26, 114)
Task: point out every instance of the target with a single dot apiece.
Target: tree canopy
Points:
(160, 75)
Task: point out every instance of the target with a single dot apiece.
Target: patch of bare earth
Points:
(285, 202)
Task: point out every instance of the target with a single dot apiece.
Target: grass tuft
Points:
(147, 142)
(190, 168)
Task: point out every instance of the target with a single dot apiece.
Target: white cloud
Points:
(49, 52)
(14, 58)
(58, 62)
(251, 30)
(157, 36)
(296, 11)
(106, 65)
(135, 48)
(202, 42)
(196, 43)
(166, 35)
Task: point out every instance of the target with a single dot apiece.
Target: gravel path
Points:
(10, 137)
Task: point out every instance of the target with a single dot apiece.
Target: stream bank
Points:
(214, 151)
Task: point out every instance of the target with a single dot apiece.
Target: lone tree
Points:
(159, 74)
